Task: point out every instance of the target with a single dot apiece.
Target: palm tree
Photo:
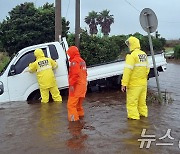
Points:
(105, 20)
(91, 20)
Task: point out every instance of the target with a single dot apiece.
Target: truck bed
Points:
(116, 68)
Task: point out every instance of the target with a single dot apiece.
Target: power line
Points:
(170, 22)
(132, 5)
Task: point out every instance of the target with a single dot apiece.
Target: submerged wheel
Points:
(35, 96)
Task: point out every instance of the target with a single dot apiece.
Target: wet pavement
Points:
(43, 128)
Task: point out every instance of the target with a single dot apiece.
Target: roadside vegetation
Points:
(4, 59)
(177, 51)
(95, 49)
(153, 97)
(27, 25)
(172, 50)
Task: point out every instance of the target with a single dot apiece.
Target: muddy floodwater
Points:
(44, 129)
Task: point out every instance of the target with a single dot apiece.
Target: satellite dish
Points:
(148, 20)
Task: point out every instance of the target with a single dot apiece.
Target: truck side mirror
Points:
(12, 70)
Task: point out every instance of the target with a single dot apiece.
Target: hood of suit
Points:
(38, 53)
(133, 43)
(73, 52)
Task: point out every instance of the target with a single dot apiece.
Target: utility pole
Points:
(77, 24)
(58, 22)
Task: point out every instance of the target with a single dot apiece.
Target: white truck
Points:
(18, 85)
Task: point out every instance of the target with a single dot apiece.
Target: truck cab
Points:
(18, 85)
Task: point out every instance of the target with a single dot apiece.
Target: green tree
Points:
(177, 51)
(157, 35)
(96, 50)
(28, 25)
(138, 35)
(120, 41)
(105, 21)
(158, 43)
(91, 20)
(1, 47)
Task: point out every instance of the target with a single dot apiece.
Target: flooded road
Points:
(43, 128)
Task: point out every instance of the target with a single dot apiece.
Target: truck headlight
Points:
(1, 88)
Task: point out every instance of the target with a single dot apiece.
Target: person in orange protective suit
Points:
(43, 67)
(134, 80)
(77, 84)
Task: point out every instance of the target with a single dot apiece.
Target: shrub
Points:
(96, 50)
(177, 52)
(4, 59)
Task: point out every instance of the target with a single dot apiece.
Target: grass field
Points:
(167, 49)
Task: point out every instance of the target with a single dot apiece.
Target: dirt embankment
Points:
(172, 43)
(175, 61)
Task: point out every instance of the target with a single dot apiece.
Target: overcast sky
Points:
(126, 13)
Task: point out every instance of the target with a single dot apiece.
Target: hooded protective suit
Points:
(77, 84)
(43, 67)
(135, 80)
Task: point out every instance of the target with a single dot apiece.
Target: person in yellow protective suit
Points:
(134, 80)
(43, 67)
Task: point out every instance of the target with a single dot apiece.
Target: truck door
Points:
(61, 72)
(20, 82)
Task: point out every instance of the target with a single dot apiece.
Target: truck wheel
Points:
(35, 96)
